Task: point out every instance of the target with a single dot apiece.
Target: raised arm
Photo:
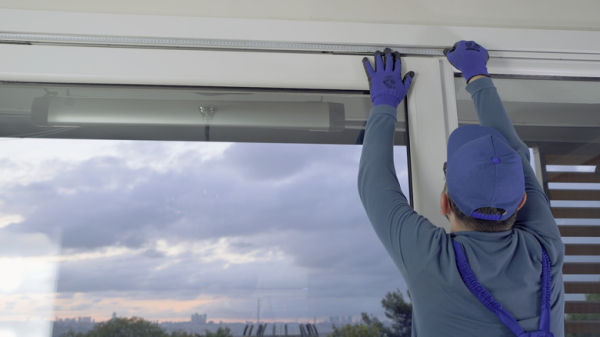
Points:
(491, 113)
(536, 216)
(406, 235)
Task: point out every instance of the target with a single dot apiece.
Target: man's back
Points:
(505, 263)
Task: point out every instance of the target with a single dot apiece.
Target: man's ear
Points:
(522, 201)
(444, 203)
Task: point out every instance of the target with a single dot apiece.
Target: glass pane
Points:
(172, 231)
(176, 113)
(555, 114)
(560, 119)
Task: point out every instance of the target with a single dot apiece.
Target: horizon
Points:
(218, 321)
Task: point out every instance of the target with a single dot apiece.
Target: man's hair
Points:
(481, 225)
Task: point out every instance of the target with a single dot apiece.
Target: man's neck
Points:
(457, 226)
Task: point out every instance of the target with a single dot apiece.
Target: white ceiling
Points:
(543, 14)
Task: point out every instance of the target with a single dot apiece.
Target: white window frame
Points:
(284, 54)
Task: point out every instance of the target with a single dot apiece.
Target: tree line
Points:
(396, 309)
(138, 327)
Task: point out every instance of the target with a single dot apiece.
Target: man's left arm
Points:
(405, 234)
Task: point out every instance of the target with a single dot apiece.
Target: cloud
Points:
(186, 275)
(103, 201)
(318, 276)
(253, 220)
(273, 162)
(285, 289)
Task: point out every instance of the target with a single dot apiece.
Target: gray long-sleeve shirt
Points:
(506, 263)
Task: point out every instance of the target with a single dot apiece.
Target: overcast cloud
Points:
(218, 224)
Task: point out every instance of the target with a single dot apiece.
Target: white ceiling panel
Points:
(544, 14)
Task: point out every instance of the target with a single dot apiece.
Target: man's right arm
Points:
(536, 216)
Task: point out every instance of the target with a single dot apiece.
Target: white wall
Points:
(543, 14)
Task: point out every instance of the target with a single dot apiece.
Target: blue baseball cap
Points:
(483, 171)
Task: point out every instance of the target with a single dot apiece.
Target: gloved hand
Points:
(468, 57)
(385, 81)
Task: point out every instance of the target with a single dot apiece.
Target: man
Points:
(486, 277)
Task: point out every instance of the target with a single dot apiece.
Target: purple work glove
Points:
(468, 57)
(385, 81)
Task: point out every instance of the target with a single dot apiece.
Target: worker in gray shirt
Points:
(499, 270)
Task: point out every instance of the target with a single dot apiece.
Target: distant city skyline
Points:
(198, 323)
(198, 318)
(205, 319)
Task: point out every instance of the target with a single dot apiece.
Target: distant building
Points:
(340, 320)
(199, 319)
(77, 325)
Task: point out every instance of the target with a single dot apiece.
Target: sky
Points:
(162, 230)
